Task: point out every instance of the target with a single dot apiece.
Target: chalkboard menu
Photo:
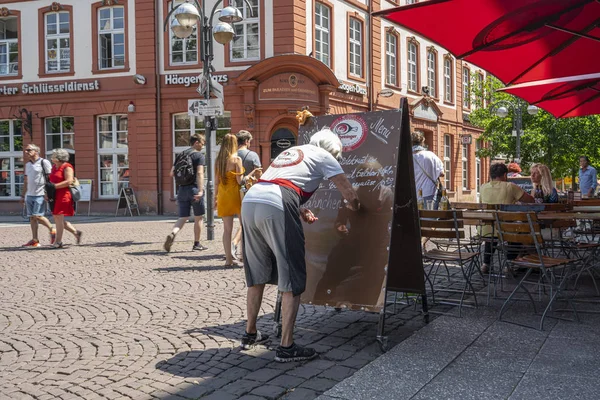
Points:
(348, 252)
(523, 182)
(128, 201)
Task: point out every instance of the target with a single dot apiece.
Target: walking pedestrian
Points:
(250, 162)
(587, 177)
(62, 176)
(428, 169)
(274, 237)
(37, 170)
(188, 170)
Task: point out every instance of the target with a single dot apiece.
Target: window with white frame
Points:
(391, 59)
(246, 42)
(355, 46)
(111, 36)
(448, 89)
(9, 46)
(183, 51)
(466, 88)
(447, 161)
(11, 159)
(465, 167)
(113, 154)
(60, 134)
(477, 165)
(412, 67)
(432, 73)
(58, 41)
(323, 33)
(185, 126)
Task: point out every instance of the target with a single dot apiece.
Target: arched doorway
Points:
(281, 139)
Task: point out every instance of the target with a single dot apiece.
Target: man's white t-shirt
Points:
(304, 166)
(35, 176)
(427, 163)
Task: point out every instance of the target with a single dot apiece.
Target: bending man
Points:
(273, 235)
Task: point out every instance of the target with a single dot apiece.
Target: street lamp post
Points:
(501, 107)
(187, 14)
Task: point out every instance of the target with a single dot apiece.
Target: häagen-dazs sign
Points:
(46, 88)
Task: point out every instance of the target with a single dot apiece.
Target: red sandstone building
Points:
(67, 69)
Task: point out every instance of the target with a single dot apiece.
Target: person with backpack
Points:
(188, 171)
(37, 171)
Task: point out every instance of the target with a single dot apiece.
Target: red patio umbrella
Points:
(515, 40)
(573, 96)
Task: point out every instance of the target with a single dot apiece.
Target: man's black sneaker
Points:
(169, 242)
(294, 353)
(199, 247)
(251, 340)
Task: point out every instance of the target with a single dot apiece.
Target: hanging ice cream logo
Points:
(351, 130)
(288, 158)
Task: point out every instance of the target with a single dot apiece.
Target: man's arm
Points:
(24, 187)
(200, 178)
(172, 173)
(526, 198)
(594, 183)
(343, 185)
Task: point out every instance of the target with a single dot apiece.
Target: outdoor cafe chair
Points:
(447, 225)
(521, 232)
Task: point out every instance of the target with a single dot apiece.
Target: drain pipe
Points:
(159, 147)
(370, 60)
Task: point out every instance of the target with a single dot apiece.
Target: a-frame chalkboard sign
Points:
(128, 201)
(354, 258)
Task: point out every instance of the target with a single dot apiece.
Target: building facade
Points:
(104, 80)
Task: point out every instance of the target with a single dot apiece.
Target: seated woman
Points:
(541, 177)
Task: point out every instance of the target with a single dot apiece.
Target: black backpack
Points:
(184, 168)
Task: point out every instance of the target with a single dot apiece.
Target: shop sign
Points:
(352, 88)
(466, 139)
(283, 143)
(187, 81)
(47, 88)
(289, 87)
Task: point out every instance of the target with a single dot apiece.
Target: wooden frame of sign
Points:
(353, 259)
(128, 201)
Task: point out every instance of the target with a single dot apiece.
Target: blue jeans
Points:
(36, 206)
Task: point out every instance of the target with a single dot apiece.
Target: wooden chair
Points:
(521, 232)
(448, 225)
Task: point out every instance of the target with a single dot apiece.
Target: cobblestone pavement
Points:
(116, 317)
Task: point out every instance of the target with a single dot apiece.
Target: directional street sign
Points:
(205, 108)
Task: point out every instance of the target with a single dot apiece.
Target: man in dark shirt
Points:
(250, 162)
(191, 195)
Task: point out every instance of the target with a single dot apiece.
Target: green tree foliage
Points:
(557, 143)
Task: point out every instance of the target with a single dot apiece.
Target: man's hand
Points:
(308, 216)
(22, 200)
(198, 196)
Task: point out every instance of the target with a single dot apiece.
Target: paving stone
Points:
(301, 394)
(264, 374)
(269, 391)
(220, 395)
(337, 373)
(319, 384)
(241, 386)
(287, 381)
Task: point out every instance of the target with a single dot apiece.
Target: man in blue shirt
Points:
(587, 177)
